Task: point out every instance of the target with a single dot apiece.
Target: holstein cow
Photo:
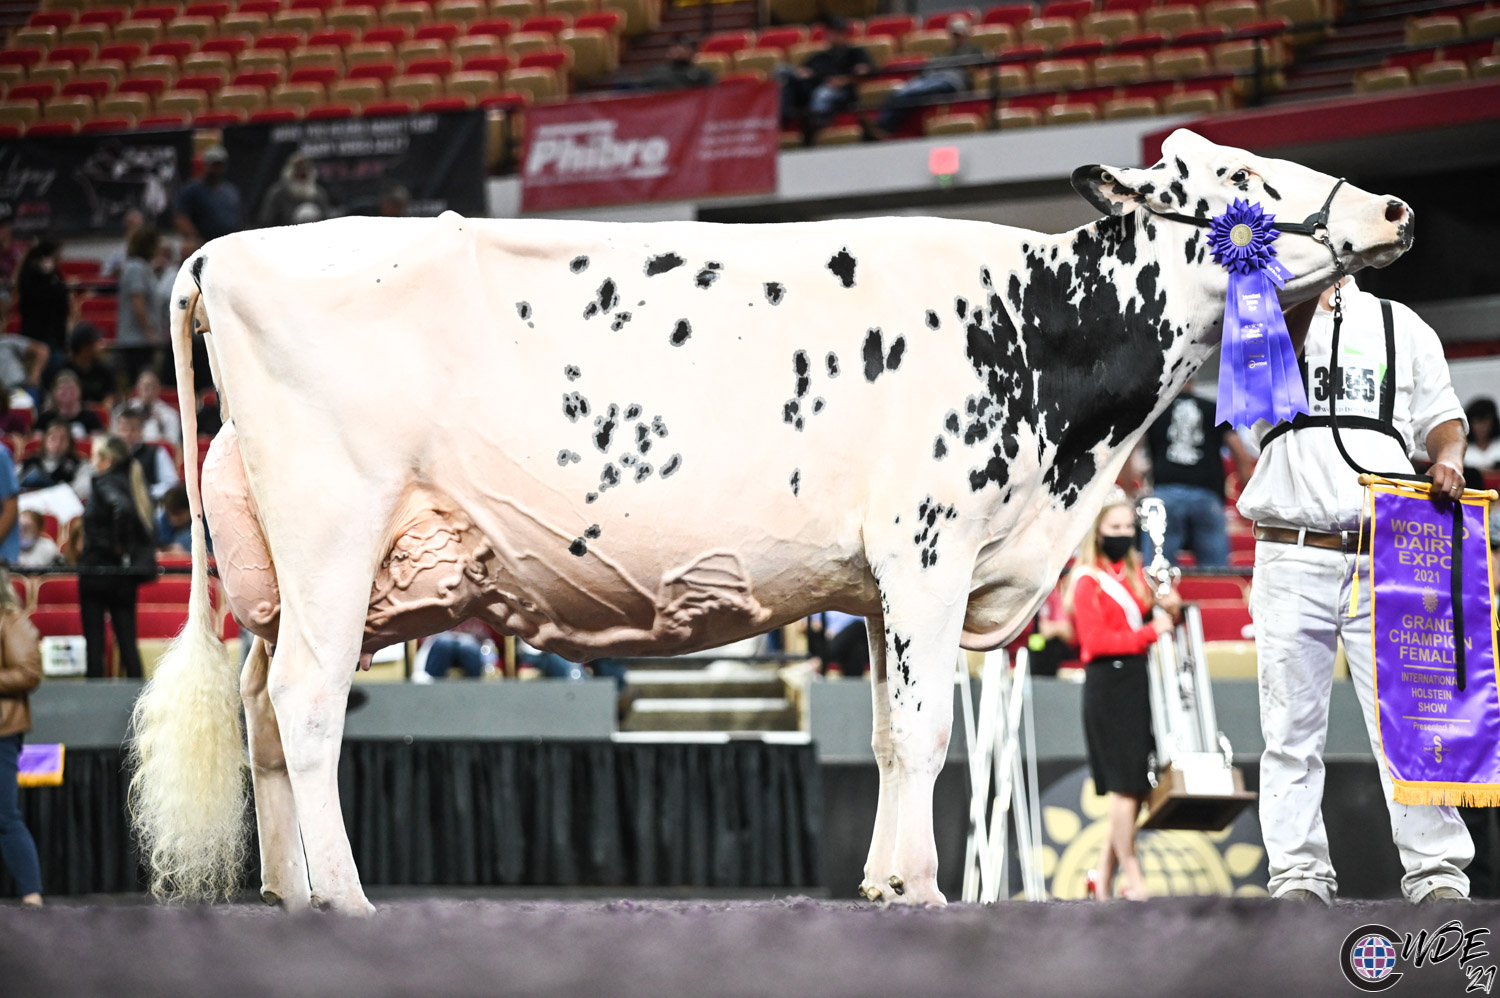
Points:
(649, 439)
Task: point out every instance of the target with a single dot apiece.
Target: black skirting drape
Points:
(737, 814)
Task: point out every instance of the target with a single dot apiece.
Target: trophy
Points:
(1195, 784)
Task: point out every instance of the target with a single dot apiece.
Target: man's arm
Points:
(1446, 443)
(9, 511)
(1244, 464)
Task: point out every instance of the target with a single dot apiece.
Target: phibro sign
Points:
(656, 147)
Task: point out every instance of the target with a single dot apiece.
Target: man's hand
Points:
(1446, 444)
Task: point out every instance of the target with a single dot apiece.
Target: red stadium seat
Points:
(283, 40)
(1140, 41)
(75, 54)
(487, 63)
(110, 16)
(438, 66)
(232, 44)
(86, 88)
(56, 589)
(1085, 48)
(275, 116)
(314, 74)
(1199, 36)
(160, 623)
(499, 27)
(168, 589)
(32, 91)
(389, 108)
(158, 13)
(267, 7)
(207, 8)
(728, 42)
(438, 104)
(207, 83)
(218, 119)
(126, 52)
(552, 25)
(25, 56)
(1225, 620)
(327, 112)
(554, 59)
(1012, 14)
(382, 71)
(1068, 8)
(443, 31)
(153, 121)
(176, 48)
(152, 86)
(104, 125)
(390, 33)
(894, 26)
(1137, 6)
(1212, 587)
(340, 37)
(51, 19)
(57, 621)
(771, 38)
(51, 129)
(612, 21)
(267, 78)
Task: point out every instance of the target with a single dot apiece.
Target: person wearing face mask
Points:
(1115, 625)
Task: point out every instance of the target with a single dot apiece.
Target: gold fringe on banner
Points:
(1450, 794)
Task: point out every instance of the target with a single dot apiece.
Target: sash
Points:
(1110, 586)
(1438, 710)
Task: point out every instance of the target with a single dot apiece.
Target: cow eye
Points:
(1240, 176)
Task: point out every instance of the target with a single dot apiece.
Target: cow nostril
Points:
(1395, 211)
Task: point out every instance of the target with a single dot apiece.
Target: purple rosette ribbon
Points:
(1259, 377)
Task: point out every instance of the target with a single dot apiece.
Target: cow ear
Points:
(1113, 191)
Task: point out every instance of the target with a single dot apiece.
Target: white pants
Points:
(1300, 603)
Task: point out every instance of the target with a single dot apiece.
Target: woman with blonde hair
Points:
(1115, 626)
(20, 673)
(117, 535)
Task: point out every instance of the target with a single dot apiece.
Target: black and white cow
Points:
(649, 439)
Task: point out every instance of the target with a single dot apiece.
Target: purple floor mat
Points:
(666, 949)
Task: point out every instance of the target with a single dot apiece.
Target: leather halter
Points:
(1314, 226)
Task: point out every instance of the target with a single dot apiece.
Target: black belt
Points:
(1347, 541)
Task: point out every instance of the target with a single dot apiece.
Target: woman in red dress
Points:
(1112, 615)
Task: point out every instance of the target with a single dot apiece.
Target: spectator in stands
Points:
(10, 526)
(48, 307)
(297, 197)
(812, 93)
(67, 407)
(679, 71)
(22, 362)
(943, 74)
(11, 252)
(116, 260)
(37, 549)
(394, 201)
(20, 673)
(840, 643)
(548, 664)
(140, 318)
(1484, 436)
(174, 524)
(157, 466)
(117, 535)
(1188, 475)
(460, 648)
(14, 421)
(162, 421)
(1111, 606)
(57, 463)
(98, 382)
(210, 206)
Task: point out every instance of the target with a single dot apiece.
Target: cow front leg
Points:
(879, 863)
(283, 869)
(923, 619)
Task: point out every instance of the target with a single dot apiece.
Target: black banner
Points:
(72, 185)
(438, 158)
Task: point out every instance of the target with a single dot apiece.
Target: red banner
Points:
(655, 147)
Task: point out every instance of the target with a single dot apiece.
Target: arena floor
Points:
(710, 949)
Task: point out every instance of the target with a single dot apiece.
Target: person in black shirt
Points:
(823, 85)
(678, 72)
(116, 534)
(99, 382)
(1188, 476)
(43, 297)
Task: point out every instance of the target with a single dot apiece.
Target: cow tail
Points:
(189, 795)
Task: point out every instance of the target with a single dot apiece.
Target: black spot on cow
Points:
(579, 547)
(1181, 192)
(627, 459)
(1271, 192)
(706, 277)
(1221, 171)
(197, 271)
(566, 457)
(818, 404)
(842, 265)
(575, 405)
(662, 263)
(620, 319)
(591, 497)
(898, 350)
(608, 296)
(1146, 189)
(681, 332)
(1200, 210)
(633, 411)
(604, 427)
(775, 292)
(590, 310)
(961, 306)
(932, 319)
(951, 422)
(800, 367)
(572, 373)
(984, 278)
(523, 309)
(658, 426)
(714, 265)
(593, 532)
(1181, 168)
(796, 480)
(182, 302)
(609, 477)
(1191, 246)
(578, 264)
(673, 463)
(642, 437)
(642, 472)
(939, 448)
(791, 413)
(831, 362)
(874, 355)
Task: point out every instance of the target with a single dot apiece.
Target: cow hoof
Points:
(871, 893)
(897, 885)
(270, 897)
(862, 892)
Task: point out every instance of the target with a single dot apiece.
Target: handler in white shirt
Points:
(1305, 502)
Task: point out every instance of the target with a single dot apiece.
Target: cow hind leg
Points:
(283, 868)
(879, 866)
(923, 618)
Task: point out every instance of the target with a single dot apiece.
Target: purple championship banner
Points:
(40, 766)
(1441, 743)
